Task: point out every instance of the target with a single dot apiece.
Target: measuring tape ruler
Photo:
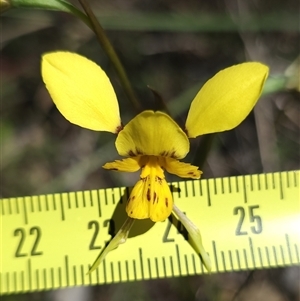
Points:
(247, 222)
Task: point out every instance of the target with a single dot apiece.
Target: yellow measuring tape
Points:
(247, 222)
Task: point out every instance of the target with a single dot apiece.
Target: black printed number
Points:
(34, 231)
(254, 219)
(96, 226)
(180, 230)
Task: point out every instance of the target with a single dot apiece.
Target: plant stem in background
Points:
(108, 48)
(203, 150)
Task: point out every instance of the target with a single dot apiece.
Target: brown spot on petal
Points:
(138, 151)
(164, 153)
(148, 195)
(119, 128)
(166, 202)
(131, 154)
(173, 155)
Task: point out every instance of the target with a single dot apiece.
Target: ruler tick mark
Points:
(17, 205)
(67, 269)
(134, 270)
(82, 273)
(9, 208)
(215, 255)
(245, 189)
(237, 184)
(149, 268)
(112, 272)
(29, 274)
(15, 282)
(186, 264)
(280, 187)
(39, 204)
(260, 257)
(99, 203)
(273, 181)
(31, 205)
(282, 254)
(287, 241)
(75, 274)
(178, 258)
(222, 186)
(275, 255)
(231, 261)
(297, 254)
(119, 269)
(141, 262)
(268, 255)
(193, 189)
(172, 267)
(45, 278)
(208, 193)
(164, 266)
(186, 192)
(223, 261)
(37, 279)
(245, 258)
(62, 207)
(25, 212)
(266, 181)
(156, 267)
(200, 187)
(252, 252)
(52, 277)
(104, 270)
(59, 277)
(238, 258)
(215, 186)
(194, 263)
(251, 182)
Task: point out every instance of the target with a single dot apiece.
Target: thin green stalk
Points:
(203, 150)
(108, 48)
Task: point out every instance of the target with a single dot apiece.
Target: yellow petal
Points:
(127, 165)
(181, 169)
(150, 199)
(152, 133)
(226, 99)
(151, 196)
(81, 91)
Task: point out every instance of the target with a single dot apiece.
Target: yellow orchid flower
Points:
(151, 141)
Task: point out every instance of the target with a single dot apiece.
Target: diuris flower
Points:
(151, 141)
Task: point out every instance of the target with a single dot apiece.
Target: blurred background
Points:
(173, 47)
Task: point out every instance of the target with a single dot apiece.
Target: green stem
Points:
(108, 48)
(203, 150)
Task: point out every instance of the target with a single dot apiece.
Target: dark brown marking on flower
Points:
(114, 168)
(173, 155)
(154, 196)
(138, 151)
(166, 202)
(133, 197)
(119, 128)
(131, 153)
(191, 173)
(148, 195)
(164, 153)
(131, 212)
(158, 179)
(186, 131)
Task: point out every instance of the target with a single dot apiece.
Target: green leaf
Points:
(57, 5)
